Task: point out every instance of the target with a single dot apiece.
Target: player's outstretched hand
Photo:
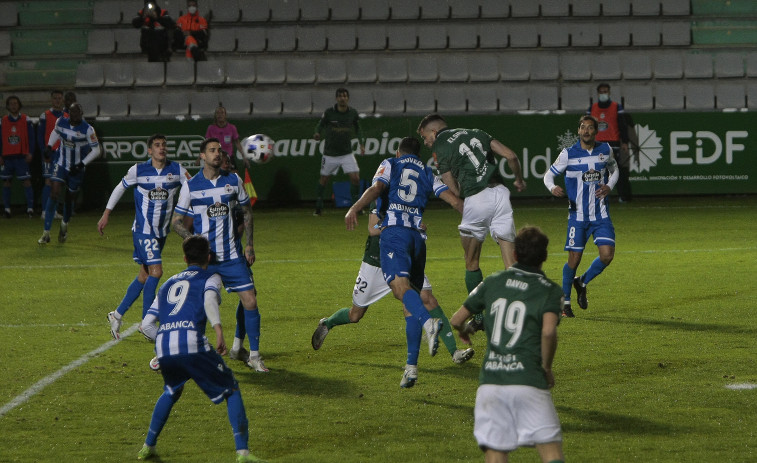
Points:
(102, 223)
(249, 254)
(558, 191)
(350, 219)
(520, 185)
(602, 191)
(76, 169)
(550, 378)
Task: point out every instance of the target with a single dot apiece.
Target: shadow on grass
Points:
(578, 420)
(677, 324)
(296, 383)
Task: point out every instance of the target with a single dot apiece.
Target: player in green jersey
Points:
(336, 127)
(521, 308)
(468, 161)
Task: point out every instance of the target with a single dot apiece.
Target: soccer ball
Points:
(258, 148)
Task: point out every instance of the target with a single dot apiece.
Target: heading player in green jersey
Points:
(521, 310)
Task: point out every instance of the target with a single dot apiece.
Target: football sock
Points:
(50, 208)
(148, 293)
(472, 279)
(238, 419)
(160, 415)
(340, 317)
(567, 280)
(241, 328)
(29, 193)
(354, 192)
(45, 195)
(68, 210)
(236, 344)
(7, 197)
(132, 293)
(593, 271)
(414, 305)
(445, 335)
(319, 196)
(252, 324)
(413, 333)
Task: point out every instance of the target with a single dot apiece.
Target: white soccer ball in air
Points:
(258, 148)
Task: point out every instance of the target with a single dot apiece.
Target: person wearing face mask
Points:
(192, 33)
(613, 130)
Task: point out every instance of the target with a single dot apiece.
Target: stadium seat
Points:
(129, 9)
(266, 103)
(616, 7)
(638, 98)
(391, 69)
(389, 101)
(676, 33)
(751, 95)
(482, 67)
(90, 75)
(119, 74)
(545, 66)
(143, 104)
(270, 71)
(341, 37)
(514, 66)
(667, 66)
(173, 104)
(668, 97)
(730, 95)
(751, 64)
(432, 36)
(698, 66)
(584, 34)
(454, 68)
(553, 34)
(105, 12)
(236, 102)
(645, 7)
(524, 8)
(636, 66)
(422, 68)
(361, 100)
(493, 35)
(222, 40)
(311, 38)
(296, 103)
(322, 99)
(210, 73)
(314, 10)
(464, 9)
(433, 9)
(330, 70)
(180, 73)
(361, 70)
(555, 7)
(148, 74)
(729, 65)
(512, 98)
(225, 11)
(542, 98)
(605, 67)
(127, 41)
(646, 33)
(240, 71)
(255, 10)
(284, 10)
(9, 18)
(344, 10)
(374, 10)
(586, 9)
(676, 7)
(575, 66)
(420, 101)
(523, 35)
(402, 36)
(5, 43)
(281, 38)
(462, 36)
(250, 39)
(450, 100)
(700, 96)
(482, 99)
(494, 9)
(203, 103)
(300, 71)
(101, 42)
(371, 37)
(88, 102)
(404, 9)
(575, 98)
(615, 34)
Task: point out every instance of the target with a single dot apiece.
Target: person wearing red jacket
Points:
(192, 33)
(16, 150)
(613, 130)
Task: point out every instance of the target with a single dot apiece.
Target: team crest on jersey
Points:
(228, 189)
(158, 194)
(170, 178)
(218, 210)
(602, 158)
(591, 176)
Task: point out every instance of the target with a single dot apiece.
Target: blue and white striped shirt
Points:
(155, 194)
(75, 142)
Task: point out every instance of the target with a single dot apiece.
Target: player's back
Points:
(410, 183)
(465, 154)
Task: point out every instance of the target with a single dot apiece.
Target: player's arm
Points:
(212, 300)
(612, 166)
(249, 249)
(451, 183)
(129, 179)
(450, 198)
(458, 323)
(512, 161)
(369, 195)
(558, 167)
(373, 220)
(549, 344)
(179, 225)
(319, 128)
(359, 133)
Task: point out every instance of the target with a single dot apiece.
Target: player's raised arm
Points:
(369, 195)
(512, 160)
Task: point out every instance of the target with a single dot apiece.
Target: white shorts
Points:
(370, 286)
(330, 164)
(508, 417)
(488, 210)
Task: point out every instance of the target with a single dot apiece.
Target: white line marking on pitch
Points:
(47, 325)
(48, 380)
(741, 386)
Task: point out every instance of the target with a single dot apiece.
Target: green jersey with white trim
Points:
(337, 128)
(466, 154)
(513, 302)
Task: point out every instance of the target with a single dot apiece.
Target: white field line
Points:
(48, 380)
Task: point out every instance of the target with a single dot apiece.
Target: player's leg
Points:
(57, 185)
(174, 379)
(413, 334)
(604, 238)
(4, 172)
(495, 456)
(550, 452)
(29, 195)
(575, 242)
(154, 273)
(446, 335)
(350, 167)
(252, 326)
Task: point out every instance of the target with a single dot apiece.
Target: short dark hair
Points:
(13, 97)
(205, 142)
(602, 85)
(531, 246)
(429, 119)
(153, 137)
(410, 145)
(70, 96)
(589, 118)
(342, 90)
(56, 92)
(196, 249)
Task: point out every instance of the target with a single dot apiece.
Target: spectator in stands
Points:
(46, 126)
(192, 33)
(69, 98)
(16, 153)
(155, 24)
(613, 130)
(227, 134)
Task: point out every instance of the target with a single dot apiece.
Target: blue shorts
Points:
(15, 165)
(235, 274)
(147, 249)
(207, 369)
(579, 233)
(403, 254)
(60, 174)
(47, 168)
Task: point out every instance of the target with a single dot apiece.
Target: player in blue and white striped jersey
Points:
(402, 242)
(184, 304)
(205, 204)
(78, 147)
(590, 174)
(156, 185)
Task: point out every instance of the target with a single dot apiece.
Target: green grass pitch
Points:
(642, 375)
